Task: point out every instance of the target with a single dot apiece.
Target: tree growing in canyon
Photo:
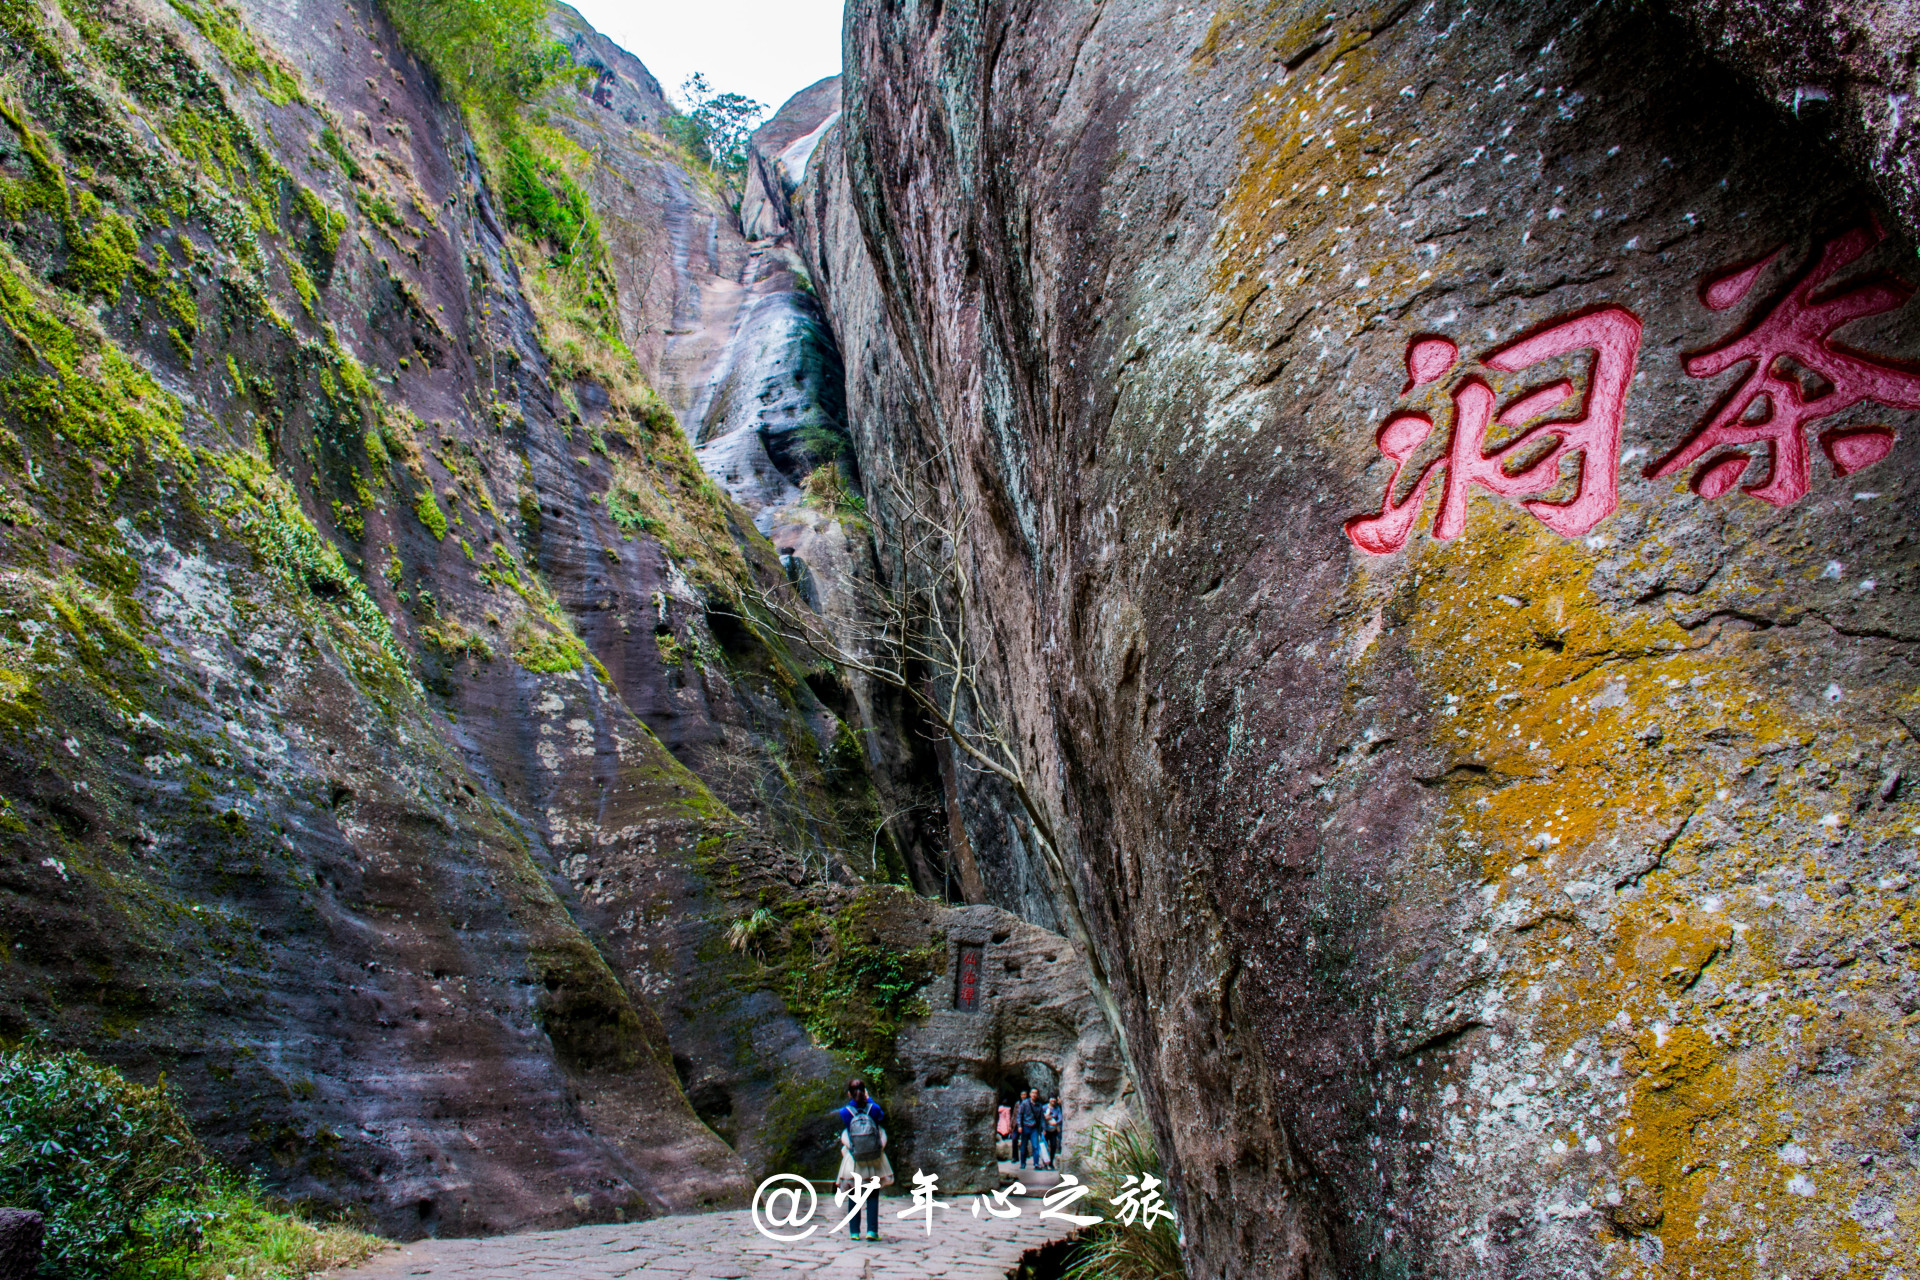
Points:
(716, 127)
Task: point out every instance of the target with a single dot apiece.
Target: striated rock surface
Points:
(369, 627)
(777, 163)
(1500, 854)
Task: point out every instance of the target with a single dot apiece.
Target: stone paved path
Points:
(724, 1246)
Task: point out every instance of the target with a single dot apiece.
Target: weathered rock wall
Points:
(1845, 70)
(359, 629)
(777, 163)
(987, 854)
(1485, 888)
(1019, 1016)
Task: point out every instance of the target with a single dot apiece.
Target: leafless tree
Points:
(916, 635)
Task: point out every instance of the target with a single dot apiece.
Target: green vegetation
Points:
(92, 1151)
(549, 649)
(750, 931)
(220, 23)
(454, 640)
(491, 55)
(854, 977)
(628, 509)
(331, 144)
(717, 128)
(427, 508)
(543, 200)
(1117, 1250)
(127, 1191)
(827, 488)
(247, 1235)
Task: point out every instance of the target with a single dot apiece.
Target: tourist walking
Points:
(1003, 1132)
(1054, 1115)
(863, 1151)
(1026, 1123)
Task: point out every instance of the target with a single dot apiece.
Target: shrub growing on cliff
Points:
(541, 199)
(128, 1192)
(854, 977)
(493, 54)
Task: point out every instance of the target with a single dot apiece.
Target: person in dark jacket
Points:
(1054, 1117)
(1026, 1119)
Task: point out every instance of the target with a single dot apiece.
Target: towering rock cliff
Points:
(395, 749)
(368, 617)
(1439, 492)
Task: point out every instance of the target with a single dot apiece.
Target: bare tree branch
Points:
(916, 636)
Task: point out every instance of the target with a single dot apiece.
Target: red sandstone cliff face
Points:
(1484, 888)
(385, 753)
(357, 645)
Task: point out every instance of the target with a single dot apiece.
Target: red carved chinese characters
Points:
(1593, 433)
(1773, 402)
(967, 993)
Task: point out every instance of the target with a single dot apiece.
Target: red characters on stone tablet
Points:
(1796, 375)
(1583, 424)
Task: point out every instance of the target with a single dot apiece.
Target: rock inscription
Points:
(1797, 375)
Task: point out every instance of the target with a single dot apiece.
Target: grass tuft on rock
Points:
(1117, 1250)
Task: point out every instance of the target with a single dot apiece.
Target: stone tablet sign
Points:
(966, 988)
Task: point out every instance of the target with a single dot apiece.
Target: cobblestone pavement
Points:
(724, 1246)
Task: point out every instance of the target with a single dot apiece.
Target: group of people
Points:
(1033, 1127)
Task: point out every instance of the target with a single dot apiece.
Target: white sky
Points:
(766, 49)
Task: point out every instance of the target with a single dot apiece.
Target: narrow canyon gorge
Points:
(1333, 580)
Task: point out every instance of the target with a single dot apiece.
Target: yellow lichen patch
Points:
(1661, 833)
(1314, 147)
(1677, 950)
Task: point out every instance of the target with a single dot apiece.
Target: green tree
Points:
(717, 128)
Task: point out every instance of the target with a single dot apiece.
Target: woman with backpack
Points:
(1053, 1116)
(863, 1151)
